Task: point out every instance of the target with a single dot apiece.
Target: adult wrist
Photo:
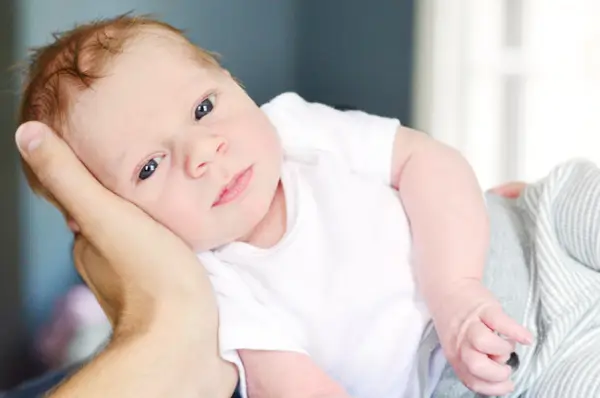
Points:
(180, 315)
(187, 329)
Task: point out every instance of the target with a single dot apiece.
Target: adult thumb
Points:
(59, 170)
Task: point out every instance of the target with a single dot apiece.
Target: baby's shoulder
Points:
(303, 125)
(285, 99)
(296, 123)
(286, 107)
(290, 110)
(291, 114)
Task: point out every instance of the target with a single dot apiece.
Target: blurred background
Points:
(514, 84)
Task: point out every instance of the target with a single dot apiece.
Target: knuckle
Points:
(453, 356)
(479, 340)
(80, 252)
(79, 244)
(45, 171)
(84, 253)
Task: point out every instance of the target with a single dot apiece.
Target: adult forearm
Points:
(164, 361)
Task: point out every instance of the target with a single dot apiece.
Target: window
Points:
(513, 84)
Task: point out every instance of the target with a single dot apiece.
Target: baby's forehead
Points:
(150, 80)
(147, 87)
(145, 70)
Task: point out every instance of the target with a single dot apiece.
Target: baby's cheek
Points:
(180, 215)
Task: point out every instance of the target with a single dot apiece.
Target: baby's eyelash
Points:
(148, 168)
(199, 113)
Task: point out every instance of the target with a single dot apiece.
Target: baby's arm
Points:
(447, 213)
(286, 374)
(450, 231)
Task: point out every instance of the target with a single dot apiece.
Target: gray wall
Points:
(358, 55)
(337, 52)
(11, 327)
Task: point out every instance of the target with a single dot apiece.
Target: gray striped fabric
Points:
(544, 266)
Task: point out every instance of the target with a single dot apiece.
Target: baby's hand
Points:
(478, 337)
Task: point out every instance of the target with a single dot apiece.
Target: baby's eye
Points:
(205, 107)
(149, 168)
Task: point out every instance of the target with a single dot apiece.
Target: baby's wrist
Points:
(456, 293)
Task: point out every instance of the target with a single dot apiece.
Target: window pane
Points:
(562, 103)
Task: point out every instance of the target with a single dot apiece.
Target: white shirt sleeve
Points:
(246, 321)
(364, 142)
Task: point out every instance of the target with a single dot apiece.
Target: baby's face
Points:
(182, 142)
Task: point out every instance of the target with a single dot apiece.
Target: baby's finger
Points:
(497, 320)
(501, 359)
(491, 389)
(482, 367)
(486, 341)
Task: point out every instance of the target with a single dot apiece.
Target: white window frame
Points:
(513, 111)
(459, 78)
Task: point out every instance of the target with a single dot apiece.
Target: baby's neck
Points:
(272, 227)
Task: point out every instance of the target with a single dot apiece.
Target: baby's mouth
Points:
(236, 186)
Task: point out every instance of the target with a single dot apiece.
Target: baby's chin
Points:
(203, 247)
(260, 223)
(205, 244)
(250, 234)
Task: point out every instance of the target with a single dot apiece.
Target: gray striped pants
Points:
(544, 266)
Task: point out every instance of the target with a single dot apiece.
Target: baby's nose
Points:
(202, 152)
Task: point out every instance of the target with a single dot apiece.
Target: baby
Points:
(347, 252)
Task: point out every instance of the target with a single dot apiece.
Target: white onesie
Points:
(338, 286)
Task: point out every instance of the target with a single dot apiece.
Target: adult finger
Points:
(510, 190)
(98, 212)
(61, 172)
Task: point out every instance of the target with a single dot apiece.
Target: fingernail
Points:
(29, 137)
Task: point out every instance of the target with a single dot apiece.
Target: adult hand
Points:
(150, 284)
(510, 190)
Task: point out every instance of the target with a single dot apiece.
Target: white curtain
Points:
(513, 84)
